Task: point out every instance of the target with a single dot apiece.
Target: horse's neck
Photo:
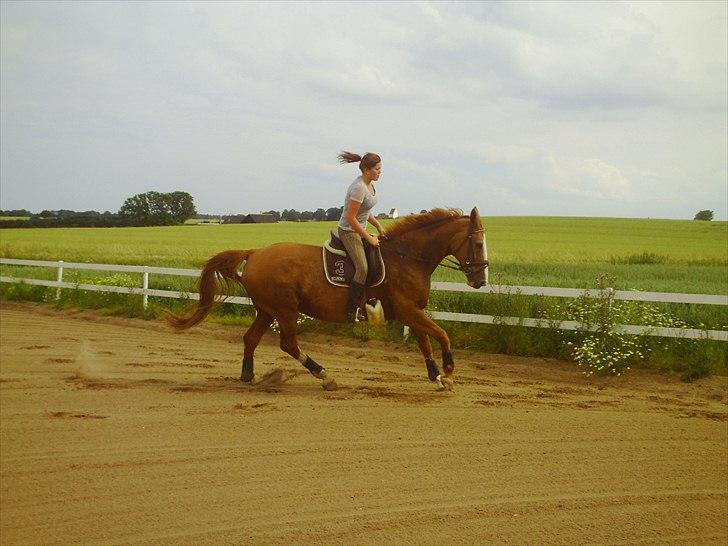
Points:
(432, 247)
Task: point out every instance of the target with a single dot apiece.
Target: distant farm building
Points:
(393, 213)
(249, 219)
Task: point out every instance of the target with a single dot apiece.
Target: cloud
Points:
(588, 178)
(366, 81)
(499, 153)
(591, 56)
(529, 107)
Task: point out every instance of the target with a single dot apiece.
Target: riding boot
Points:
(356, 296)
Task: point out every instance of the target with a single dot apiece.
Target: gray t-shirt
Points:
(358, 192)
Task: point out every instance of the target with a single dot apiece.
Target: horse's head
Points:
(470, 250)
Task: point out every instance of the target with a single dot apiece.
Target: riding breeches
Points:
(355, 248)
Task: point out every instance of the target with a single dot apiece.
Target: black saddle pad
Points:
(339, 268)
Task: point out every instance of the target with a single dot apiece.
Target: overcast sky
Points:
(591, 109)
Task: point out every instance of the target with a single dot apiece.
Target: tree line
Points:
(162, 209)
(147, 209)
(144, 209)
(319, 215)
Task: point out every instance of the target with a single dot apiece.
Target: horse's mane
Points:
(416, 221)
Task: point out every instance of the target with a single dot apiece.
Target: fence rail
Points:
(633, 295)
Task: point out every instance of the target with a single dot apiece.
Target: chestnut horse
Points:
(285, 279)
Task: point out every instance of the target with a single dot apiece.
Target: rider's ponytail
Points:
(348, 157)
(368, 161)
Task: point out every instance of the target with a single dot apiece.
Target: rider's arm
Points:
(351, 211)
(373, 221)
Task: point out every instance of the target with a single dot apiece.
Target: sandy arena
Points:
(119, 431)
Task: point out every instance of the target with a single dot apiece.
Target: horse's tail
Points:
(219, 276)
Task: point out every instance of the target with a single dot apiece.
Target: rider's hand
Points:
(382, 233)
(373, 239)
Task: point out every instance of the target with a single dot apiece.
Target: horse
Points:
(285, 279)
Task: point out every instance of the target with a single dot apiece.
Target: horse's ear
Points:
(474, 215)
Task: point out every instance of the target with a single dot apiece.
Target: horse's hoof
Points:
(329, 385)
(443, 383)
(247, 380)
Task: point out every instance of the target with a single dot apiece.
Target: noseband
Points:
(471, 263)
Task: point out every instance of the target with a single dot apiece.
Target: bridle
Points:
(471, 264)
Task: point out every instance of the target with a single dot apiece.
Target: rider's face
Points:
(374, 172)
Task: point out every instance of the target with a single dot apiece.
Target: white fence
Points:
(145, 292)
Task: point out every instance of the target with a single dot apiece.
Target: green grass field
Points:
(650, 255)
(656, 255)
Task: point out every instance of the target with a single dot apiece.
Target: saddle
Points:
(339, 268)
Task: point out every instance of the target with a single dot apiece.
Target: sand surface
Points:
(119, 431)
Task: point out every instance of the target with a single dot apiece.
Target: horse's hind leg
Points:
(289, 344)
(251, 339)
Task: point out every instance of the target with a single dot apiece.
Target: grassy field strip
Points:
(646, 255)
(510, 239)
(103, 267)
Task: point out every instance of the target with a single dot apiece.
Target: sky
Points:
(519, 108)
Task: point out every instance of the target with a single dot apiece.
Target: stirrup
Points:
(356, 316)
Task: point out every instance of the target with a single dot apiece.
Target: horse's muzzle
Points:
(476, 284)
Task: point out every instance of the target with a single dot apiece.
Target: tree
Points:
(306, 215)
(16, 212)
(706, 215)
(291, 215)
(319, 215)
(138, 208)
(334, 213)
(274, 213)
(154, 208)
(181, 205)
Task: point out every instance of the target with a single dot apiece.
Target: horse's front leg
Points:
(423, 328)
(423, 340)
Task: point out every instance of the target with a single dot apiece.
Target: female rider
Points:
(360, 199)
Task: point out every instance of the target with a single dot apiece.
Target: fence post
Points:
(405, 333)
(610, 300)
(59, 278)
(145, 285)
